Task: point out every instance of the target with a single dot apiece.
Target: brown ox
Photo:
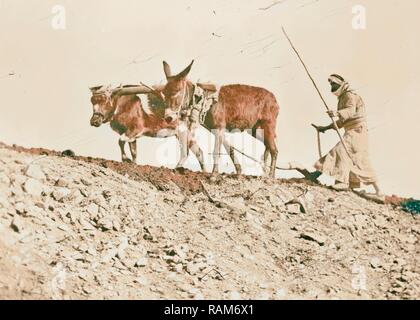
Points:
(129, 119)
(239, 107)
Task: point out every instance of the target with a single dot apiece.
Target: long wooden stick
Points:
(319, 93)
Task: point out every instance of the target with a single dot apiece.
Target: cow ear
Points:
(185, 73)
(167, 70)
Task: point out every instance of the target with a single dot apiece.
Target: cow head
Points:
(175, 92)
(103, 106)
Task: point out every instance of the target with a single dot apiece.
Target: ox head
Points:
(175, 92)
(103, 106)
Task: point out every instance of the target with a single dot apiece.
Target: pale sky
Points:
(46, 102)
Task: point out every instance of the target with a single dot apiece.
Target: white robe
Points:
(356, 170)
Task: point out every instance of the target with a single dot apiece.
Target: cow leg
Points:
(131, 138)
(232, 155)
(182, 135)
(133, 150)
(194, 147)
(219, 135)
(258, 133)
(274, 153)
(124, 157)
(270, 144)
(265, 161)
(198, 153)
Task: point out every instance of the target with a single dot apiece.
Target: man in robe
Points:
(355, 170)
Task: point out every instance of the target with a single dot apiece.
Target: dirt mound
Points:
(74, 227)
(186, 180)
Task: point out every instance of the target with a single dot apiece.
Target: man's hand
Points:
(322, 129)
(332, 113)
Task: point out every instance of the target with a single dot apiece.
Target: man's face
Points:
(334, 86)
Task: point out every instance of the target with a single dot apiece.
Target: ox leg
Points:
(194, 147)
(274, 153)
(182, 135)
(265, 161)
(258, 133)
(219, 135)
(133, 150)
(198, 153)
(270, 144)
(124, 157)
(232, 155)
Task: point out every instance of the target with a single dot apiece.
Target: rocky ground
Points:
(77, 228)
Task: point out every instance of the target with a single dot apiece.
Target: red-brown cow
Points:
(128, 118)
(239, 107)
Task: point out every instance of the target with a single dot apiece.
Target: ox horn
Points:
(167, 70)
(95, 89)
(140, 89)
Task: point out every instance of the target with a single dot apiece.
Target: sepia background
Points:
(45, 73)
